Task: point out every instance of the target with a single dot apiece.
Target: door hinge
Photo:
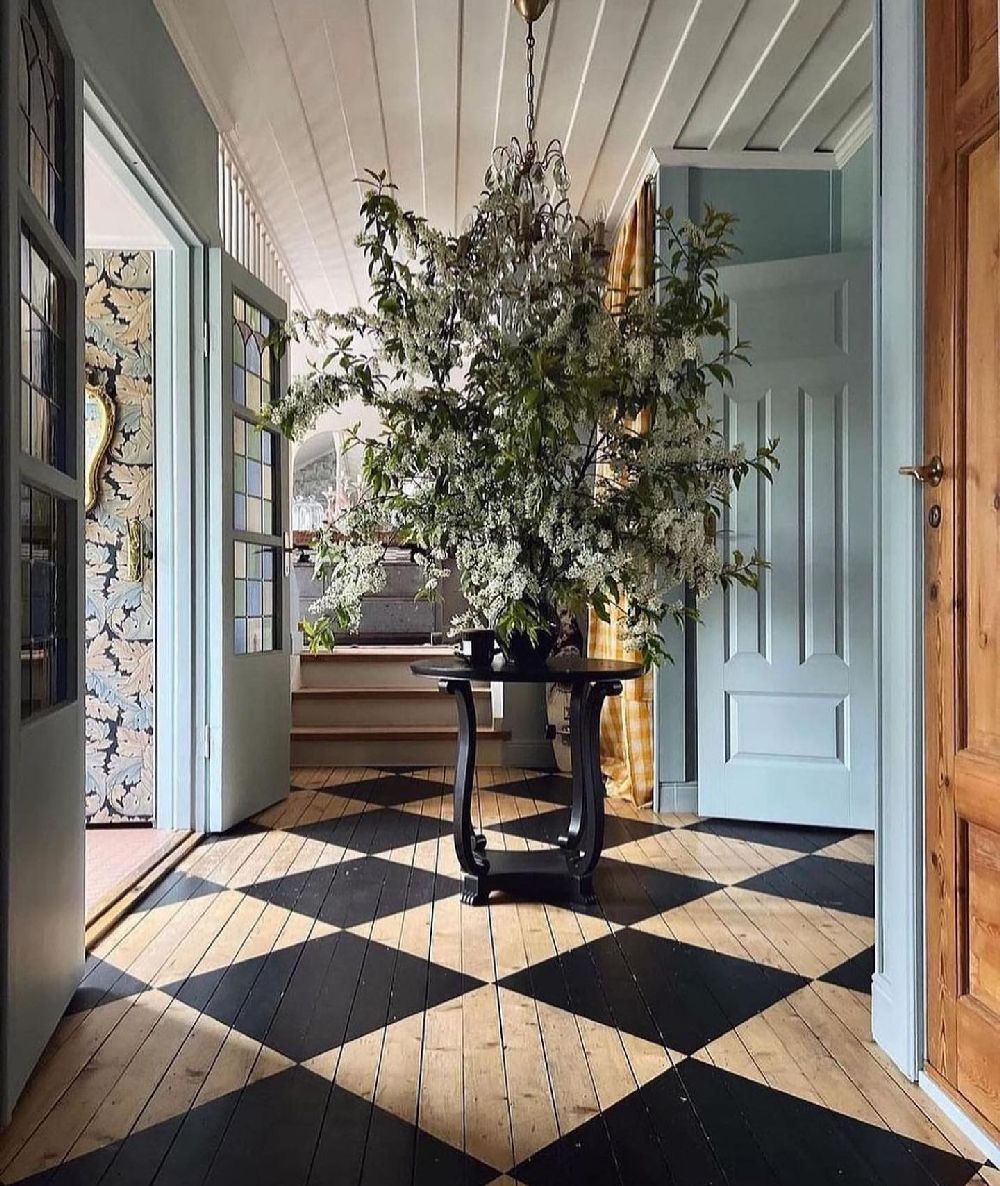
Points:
(206, 744)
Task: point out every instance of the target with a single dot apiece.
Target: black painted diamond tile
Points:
(389, 790)
(180, 887)
(629, 894)
(823, 881)
(288, 1130)
(365, 1144)
(701, 1126)
(546, 827)
(632, 893)
(314, 996)
(103, 983)
(668, 992)
(649, 1138)
(548, 788)
(355, 891)
(855, 973)
(376, 831)
(795, 839)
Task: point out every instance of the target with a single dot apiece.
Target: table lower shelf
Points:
(546, 873)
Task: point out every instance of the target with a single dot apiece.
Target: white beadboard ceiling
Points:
(308, 93)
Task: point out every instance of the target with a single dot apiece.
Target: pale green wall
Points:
(149, 92)
(782, 213)
(856, 200)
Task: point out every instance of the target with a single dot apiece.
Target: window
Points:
(255, 612)
(254, 453)
(44, 583)
(43, 357)
(257, 548)
(41, 106)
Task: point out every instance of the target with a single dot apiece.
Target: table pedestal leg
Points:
(468, 845)
(590, 841)
(578, 706)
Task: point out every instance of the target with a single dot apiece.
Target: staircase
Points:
(362, 706)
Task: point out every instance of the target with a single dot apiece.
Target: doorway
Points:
(133, 310)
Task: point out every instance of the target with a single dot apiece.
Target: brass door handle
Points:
(931, 473)
(136, 561)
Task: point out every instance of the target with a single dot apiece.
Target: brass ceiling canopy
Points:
(531, 10)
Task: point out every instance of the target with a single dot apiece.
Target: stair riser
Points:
(357, 673)
(389, 753)
(390, 711)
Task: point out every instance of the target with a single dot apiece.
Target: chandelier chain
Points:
(530, 121)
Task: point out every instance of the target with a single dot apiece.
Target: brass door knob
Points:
(931, 473)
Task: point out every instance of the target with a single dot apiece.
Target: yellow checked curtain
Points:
(627, 721)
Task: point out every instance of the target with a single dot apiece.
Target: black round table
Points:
(570, 867)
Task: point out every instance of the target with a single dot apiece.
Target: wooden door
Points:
(962, 552)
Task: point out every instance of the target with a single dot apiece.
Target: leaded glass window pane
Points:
(44, 601)
(255, 568)
(43, 357)
(255, 453)
(256, 482)
(41, 107)
(253, 364)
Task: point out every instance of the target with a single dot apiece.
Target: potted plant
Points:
(509, 385)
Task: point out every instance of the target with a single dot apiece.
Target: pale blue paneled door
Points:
(41, 521)
(786, 680)
(251, 668)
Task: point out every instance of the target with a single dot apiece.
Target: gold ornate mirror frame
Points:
(101, 415)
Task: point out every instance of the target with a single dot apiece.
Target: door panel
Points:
(251, 763)
(41, 520)
(962, 554)
(785, 673)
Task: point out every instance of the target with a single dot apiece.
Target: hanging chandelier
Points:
(539, 177)
(524, 231)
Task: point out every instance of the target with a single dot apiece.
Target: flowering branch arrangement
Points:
(551, 439)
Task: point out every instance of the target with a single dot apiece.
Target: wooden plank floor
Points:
(307, 1000)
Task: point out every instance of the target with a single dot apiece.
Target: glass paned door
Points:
(41, 525)
(251, 701)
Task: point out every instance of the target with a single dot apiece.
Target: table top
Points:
(566, 669)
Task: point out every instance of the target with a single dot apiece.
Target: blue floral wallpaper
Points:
(120, 617)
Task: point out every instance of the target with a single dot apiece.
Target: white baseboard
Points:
(986, 1145)
(677, 797)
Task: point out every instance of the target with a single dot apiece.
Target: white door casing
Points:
(786, 692)
(249, 732)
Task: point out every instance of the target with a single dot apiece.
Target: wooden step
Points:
(392, 746)
(419, 703)
(367, 666)
(390, 733)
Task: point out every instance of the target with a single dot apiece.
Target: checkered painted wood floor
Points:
(306, 1000)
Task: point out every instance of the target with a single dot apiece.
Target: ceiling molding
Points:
(856, 137)
(758, 158)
